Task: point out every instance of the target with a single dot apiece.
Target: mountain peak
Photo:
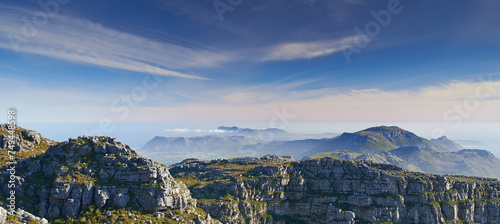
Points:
(390, 131)
(443, 138)
(377, 139)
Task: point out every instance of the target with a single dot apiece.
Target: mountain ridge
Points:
(374, 143)
(374, 139)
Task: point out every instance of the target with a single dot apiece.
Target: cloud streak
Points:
(308, 50)
(86, 42)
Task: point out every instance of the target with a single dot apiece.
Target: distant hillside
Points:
(396, 146)
(169, 150)
(390, 145)
(447, 143)
(379, 157)
(466, 162)
(270, 134)
(376, 139)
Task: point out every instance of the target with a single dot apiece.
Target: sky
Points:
(196, 64)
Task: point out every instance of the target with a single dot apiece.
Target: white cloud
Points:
(187, 130)
(308, 50)
(83, 41)
(178, 130)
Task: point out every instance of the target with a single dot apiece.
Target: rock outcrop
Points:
(21, 216)
(336, 191)
(96, 171)
(23, 139)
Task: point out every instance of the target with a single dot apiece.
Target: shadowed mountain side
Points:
(471, 162)
(379, 157)
(447, 143)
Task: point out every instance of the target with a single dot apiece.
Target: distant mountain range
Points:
(271, 134)
(391, 145)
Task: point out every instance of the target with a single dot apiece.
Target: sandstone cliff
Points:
(335, 191)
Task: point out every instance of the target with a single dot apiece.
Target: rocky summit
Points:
(100, 173)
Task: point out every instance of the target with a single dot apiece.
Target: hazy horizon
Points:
(138, 134)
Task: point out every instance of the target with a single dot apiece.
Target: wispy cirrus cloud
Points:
(308, 50)
(83, 41)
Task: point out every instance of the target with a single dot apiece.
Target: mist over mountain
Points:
(270, 134)
(231, 142)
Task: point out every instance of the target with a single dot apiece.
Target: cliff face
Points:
(74, 175)
(335, 191)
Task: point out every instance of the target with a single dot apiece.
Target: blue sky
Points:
(88, 61)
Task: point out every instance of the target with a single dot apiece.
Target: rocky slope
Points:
(276, 190)
(99, 173)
